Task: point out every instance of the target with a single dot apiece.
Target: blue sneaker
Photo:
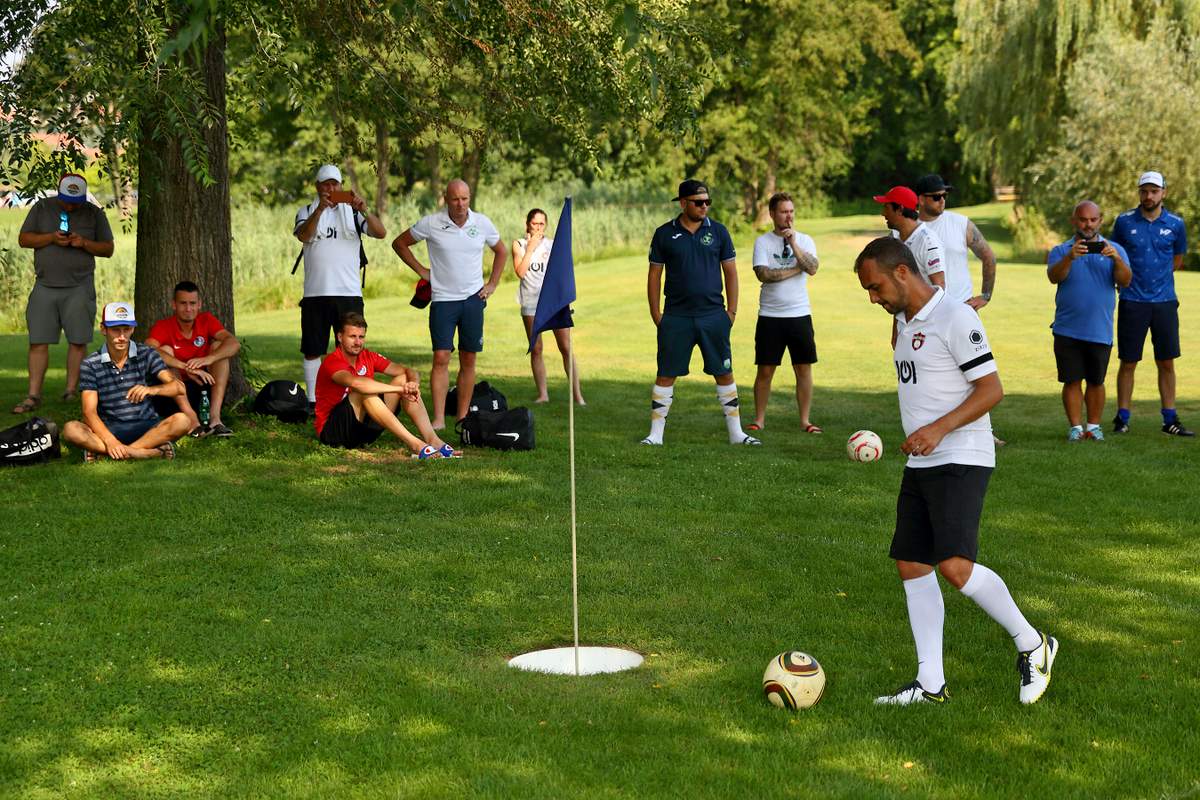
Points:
(1095, 434)
(1075, 435)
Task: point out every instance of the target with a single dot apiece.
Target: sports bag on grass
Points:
(484, 398)
(502, 430)
(34, 441)
(285, 400)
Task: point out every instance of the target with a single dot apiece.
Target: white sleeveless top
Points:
(951, 229)
(531, 284)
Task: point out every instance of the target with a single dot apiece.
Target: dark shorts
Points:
(1081, 361)
(343, 429)
(774, 334)
(71, 310)
(319, 317)
(130, 432)
(166, 406)
(678, 336)
(937, 513)
(1134, 319)
(465, 316)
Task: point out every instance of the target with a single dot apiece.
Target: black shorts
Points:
(319, 317)
(166, 406)
(937, 513)
(343, 429)
(773, 334)
(1134, 319)
(1081, 361)
(679, 335)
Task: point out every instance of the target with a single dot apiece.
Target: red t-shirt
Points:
(330, 393)
(199, 344)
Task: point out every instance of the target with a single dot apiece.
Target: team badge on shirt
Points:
(918, 340)
(472, 231)
(362, 370)
(976, 337)
(706, 239)
(198, 341)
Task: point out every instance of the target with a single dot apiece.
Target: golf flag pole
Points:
(554, 312)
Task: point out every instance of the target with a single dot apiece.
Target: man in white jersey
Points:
(947, 383)
(900, 214)
(783, 260)
(455, 237)
(331, 229)
(957, 235)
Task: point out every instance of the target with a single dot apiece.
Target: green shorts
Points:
(71, 310)
(678, 336)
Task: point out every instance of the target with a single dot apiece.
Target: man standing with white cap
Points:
(1156, 241)
(66, 233)
(331, 228)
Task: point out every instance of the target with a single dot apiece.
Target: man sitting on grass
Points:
(353, 408)
(197, 347)
(116, 382)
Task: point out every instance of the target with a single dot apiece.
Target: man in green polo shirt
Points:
(697, 254)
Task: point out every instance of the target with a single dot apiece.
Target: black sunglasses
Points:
(705, 202)
(940, 197)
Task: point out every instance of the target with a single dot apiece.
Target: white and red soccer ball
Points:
(864, 446)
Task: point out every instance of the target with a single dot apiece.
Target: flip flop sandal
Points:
(168, 451)
(812, 429)
(70, 396)
(754, 426)
(30, 403)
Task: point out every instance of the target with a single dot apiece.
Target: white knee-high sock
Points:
(727, 396)
(926, 616)
(988, 591)
(311, 367)
(660, 405)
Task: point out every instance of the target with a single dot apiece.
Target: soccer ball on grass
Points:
(864, 446)
(793, 680)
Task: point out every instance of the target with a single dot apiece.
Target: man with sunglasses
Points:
(958, 235)
(696, 254)
(66, 234)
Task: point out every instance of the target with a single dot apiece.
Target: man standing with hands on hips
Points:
(1156, 241)
(696, 253)
(455, 239)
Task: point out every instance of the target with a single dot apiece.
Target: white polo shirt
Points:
(788, 297)
(937, 356)
(455, 254)
(926, 248)
(951, 230)
(331, 266)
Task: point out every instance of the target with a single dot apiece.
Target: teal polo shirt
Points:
(694, 283)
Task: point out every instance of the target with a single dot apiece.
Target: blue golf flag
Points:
(558, 286)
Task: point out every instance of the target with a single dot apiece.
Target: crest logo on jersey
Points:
(706, 239)
(198, 341)
(976, 337)
(362, 370)
(472, 231)
(918, 340)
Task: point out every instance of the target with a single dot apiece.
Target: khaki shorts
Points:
(71, 310)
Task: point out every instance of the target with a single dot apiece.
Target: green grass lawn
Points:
(267, 618)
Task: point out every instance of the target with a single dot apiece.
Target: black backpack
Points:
(283, 399)
(484, 398)
(503, 430)
(34, 441)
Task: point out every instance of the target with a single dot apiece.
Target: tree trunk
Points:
(383, 165)
(762, 215)
(433, 162)
(183, 227)
(472, 163)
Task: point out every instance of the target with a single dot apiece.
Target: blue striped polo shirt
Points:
(99, 374)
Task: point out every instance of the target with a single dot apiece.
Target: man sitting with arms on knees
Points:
(353, 408)
(198, 348)
(115, 384)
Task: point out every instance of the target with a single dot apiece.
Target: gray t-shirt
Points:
(58, 266)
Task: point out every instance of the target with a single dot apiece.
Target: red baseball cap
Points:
(901, 196)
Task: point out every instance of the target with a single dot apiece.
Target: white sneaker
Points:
(749, 440)
(1034, 667)
(648, 440)
(913, 693)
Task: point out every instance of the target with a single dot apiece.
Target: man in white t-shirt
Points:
(455, 237)
(947, 383)
(331, 228)
(900, 214)
(783, 260)
(957, 235)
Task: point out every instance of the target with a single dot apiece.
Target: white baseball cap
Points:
(118, 313)
(72, 188)
(1152, 178)
(328, 172)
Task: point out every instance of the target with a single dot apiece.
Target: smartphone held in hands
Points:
(341, 197)
(1095, 245)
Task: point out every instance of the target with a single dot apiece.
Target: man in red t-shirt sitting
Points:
(353, 408)
(196, 345)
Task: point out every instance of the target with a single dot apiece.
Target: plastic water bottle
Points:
(204, 407)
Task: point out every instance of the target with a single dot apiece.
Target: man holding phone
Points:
(331, 229)
(1087, 270)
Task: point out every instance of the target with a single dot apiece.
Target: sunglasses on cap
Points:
(707, 201)
(939, 197)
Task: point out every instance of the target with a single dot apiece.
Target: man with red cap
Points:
(900, 213)
(66, 234)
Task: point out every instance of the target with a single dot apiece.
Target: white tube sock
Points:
(988, 591)
(926, 616)
(661, 398)
(727, 397)
(311, 367)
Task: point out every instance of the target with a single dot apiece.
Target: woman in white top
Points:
(530, 255)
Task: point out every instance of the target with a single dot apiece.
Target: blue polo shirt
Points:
(99, 374)
(1152, 247)
(1085, 300)
(693, 266)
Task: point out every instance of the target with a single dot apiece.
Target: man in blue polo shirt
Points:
(1087, 271)
(116, 383)
(1156, 241)
(696, 254)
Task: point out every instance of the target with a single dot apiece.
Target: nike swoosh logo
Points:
(676, 236)
(515, 436)
(295, 389)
